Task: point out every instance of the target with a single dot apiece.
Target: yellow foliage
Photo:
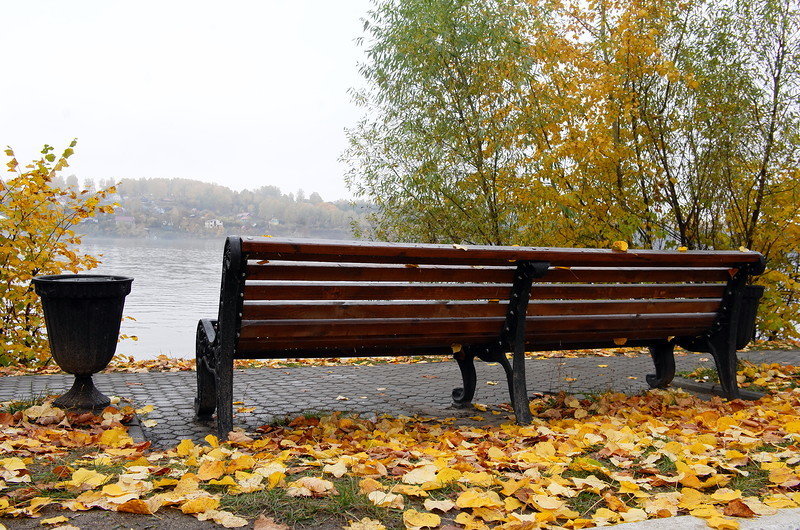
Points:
(36, 238)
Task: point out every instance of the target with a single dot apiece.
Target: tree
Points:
(36, 239)
(662, 122)
(441, 150)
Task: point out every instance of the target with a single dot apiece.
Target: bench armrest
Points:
(207, 331)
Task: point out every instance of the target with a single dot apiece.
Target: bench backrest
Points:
(294, 297)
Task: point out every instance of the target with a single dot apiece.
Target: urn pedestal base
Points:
(83, 396)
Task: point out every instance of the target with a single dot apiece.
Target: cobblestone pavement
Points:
(398, 389)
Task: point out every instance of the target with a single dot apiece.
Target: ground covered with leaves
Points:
(585, 461)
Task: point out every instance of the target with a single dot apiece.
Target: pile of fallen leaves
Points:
(582, 463)
(767, 377)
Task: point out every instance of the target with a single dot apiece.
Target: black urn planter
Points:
(82, 313)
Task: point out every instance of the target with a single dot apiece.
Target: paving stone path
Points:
(398, 389)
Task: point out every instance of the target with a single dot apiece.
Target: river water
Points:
(175, 283)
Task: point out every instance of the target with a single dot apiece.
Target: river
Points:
(175, 283)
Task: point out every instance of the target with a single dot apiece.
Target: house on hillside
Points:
(213, 223)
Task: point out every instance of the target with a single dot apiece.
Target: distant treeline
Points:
(175, 207)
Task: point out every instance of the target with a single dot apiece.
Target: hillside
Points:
(173, 207)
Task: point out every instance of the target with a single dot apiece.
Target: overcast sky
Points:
(241, 93)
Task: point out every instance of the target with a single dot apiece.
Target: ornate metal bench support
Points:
(206, 401)
(216, 343)
(512, 338)
(734, 328)
(664, 359)
(462, 396)
(513, 335)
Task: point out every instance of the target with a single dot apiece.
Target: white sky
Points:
(241, 93)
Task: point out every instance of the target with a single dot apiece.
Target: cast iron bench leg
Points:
(726, 359)
(664, 359)
(462, 396)
(224, 395)
(519, 398)
(206, 400)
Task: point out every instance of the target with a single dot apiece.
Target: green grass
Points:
(12, 407)
(341, 508)
(755, 483)
(585, 503)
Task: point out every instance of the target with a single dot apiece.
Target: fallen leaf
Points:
(414, 519)
(386, 500)
(442, 506)
(268, 523)
(365, 524)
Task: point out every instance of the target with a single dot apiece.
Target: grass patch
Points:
(754, 484)
(585, 503)
(12, 407)
(345, 506)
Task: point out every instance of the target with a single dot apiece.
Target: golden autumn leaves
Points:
(583, 462)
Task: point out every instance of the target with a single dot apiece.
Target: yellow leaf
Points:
(211, 469)
(386, 500)
(135, 506)
(364, 524)
(545, 502)
(420, 475)
(115, 437)
(442, 506)
(634, 515)
(474, 498)
(414, 519)
(724, 495)
(310, 487)
(87, 479)
(337, 470)
(722, 523)
(226, 519)
(792, 427)
(185, 448)
(54, 520)
(619, 246)
(482, 479)
(368, 485)
(200, 504)
(409, 489)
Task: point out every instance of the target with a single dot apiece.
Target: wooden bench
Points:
(294, 298)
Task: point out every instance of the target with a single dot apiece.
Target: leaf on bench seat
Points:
(619, 246)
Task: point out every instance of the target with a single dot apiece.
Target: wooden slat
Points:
(623, 291)
(377, 273)
(636, 275)
(442, 345)
(440, 273)
(374, 291)
(399, 291)
(375, 252)
(491, 326)
(465, 309)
